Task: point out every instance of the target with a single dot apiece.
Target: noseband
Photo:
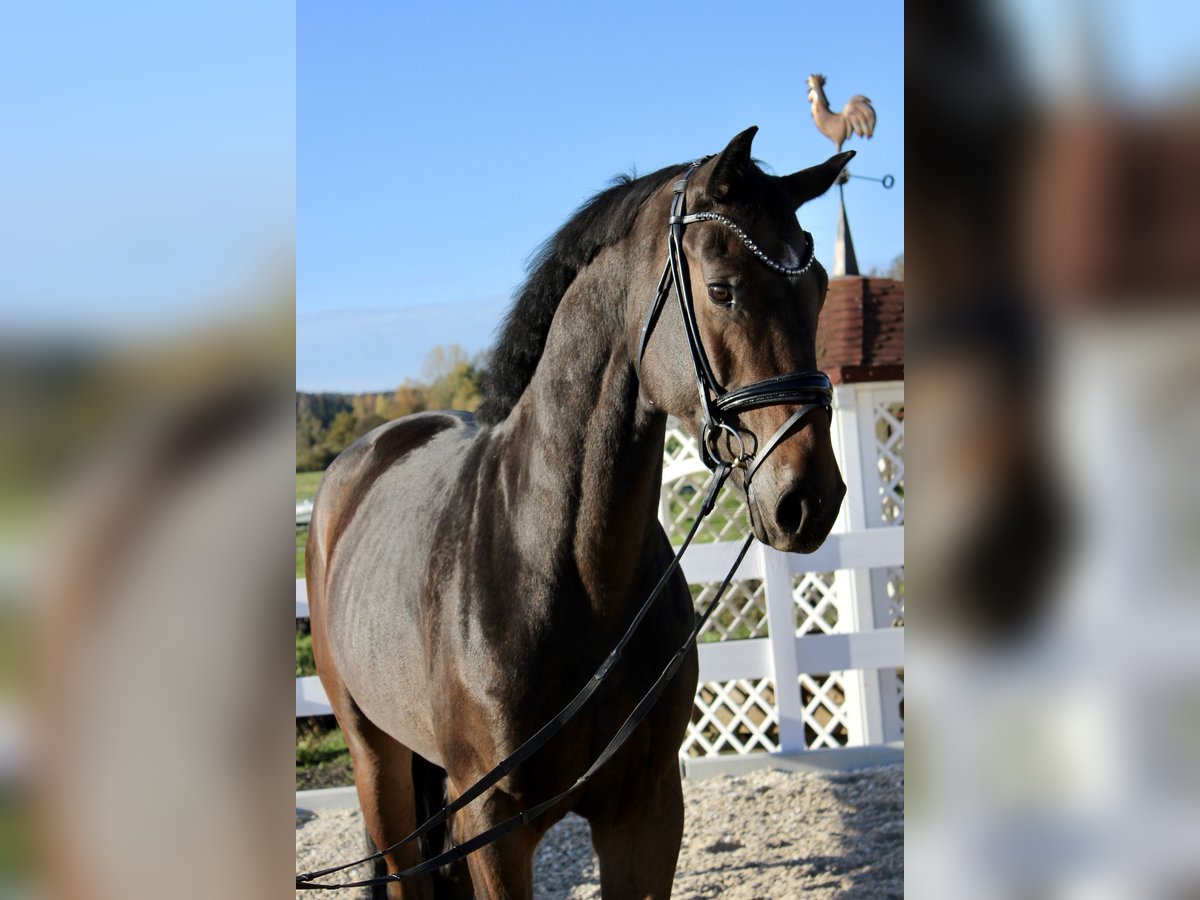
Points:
(720, 407)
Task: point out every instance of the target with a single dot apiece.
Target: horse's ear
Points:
(732, 165)
(808, 184)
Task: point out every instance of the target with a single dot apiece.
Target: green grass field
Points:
(306, 485)
(322, 759)
(306, 489)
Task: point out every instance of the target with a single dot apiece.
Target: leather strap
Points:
(706, 380)
(795, 387)
(780, 433)
(660, 297)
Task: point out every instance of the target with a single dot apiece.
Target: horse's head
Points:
(756, 315)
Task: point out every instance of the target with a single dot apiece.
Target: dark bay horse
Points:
(467, 574)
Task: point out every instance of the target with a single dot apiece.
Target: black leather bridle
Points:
(719, 407)
(810, 390)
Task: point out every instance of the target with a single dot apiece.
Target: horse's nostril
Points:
(789, 511)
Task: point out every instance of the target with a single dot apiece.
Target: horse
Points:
(468, 573)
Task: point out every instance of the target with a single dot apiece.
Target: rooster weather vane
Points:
(856, 118)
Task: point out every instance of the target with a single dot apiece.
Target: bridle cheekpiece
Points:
(810, 390)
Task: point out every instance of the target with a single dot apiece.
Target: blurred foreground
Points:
(1053, 388)
(146, 393)
(155, 729)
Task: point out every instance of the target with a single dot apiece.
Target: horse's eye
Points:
(720, 293)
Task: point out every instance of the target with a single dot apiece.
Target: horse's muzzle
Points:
(804, 516)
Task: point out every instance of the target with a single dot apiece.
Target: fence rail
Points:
(805, 653)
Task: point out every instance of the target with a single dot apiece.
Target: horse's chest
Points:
(506, 692)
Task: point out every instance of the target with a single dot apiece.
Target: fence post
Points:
(854, 420)
(781, 626)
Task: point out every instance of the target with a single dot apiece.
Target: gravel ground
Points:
(768, 834)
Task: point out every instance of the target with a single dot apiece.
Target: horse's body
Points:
(466, 579)
(466, 587)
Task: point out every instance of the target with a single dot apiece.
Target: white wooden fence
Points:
(804, 657)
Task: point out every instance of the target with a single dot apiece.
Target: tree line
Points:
(326, 424)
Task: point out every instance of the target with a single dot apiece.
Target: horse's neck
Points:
(592, 453)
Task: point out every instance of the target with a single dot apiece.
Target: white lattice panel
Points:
(685, 480)
(679, 452)
(818, 609)
(741, 614)
(681, 502)
(888, 421)
(834, 708)
(891, 683)
(733, 717)
(816, 603)
(825, 712)
(887, 589)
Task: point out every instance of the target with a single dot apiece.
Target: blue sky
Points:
(438, 145)
(147, 181)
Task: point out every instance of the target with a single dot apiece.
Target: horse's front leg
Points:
(639, 846)
(503, 870)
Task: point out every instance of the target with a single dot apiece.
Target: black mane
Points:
(599, 223)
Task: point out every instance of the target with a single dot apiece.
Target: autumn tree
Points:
(454, 379)
(328, 423)
(341, 431)
(409, 398)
